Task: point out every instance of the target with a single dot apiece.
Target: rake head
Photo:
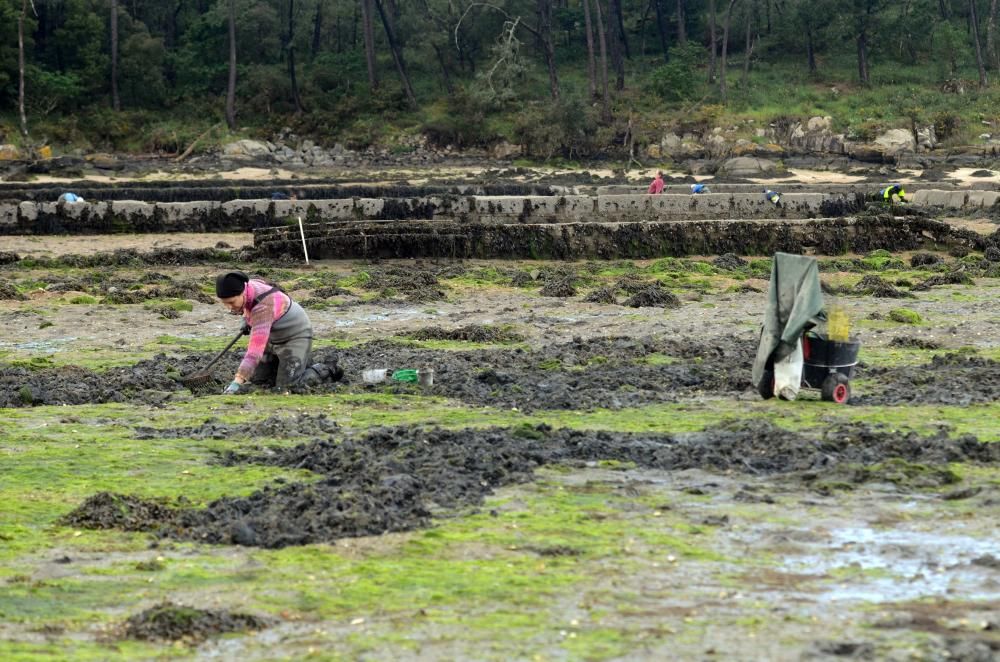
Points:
(196, 379)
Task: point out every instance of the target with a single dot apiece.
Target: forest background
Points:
(564, 80)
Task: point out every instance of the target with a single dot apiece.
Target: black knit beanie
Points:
(230, 284)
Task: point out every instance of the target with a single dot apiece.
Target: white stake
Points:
(302, 233)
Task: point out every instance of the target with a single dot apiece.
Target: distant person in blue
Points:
(281, 195)
(890, 191)
(772, 196)
(699, 188)
(69, 197)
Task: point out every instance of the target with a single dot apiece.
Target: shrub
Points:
(946, 124)
(678, 79)
(462, 124)
(566, 127)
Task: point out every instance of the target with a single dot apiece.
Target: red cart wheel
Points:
(837, 388)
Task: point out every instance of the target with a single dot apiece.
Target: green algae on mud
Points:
(577, 564)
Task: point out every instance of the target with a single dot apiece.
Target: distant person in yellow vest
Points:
(893, 190)
(772, 196)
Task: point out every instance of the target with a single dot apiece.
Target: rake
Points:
(203, 376)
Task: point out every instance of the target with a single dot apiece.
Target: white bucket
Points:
(425, 376)
(374, 376)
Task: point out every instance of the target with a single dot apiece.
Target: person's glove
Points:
(232, 389)
(245, 328)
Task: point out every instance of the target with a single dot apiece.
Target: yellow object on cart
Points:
(838, 326)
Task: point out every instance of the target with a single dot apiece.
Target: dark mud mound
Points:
(730, 262)
(330, 291)
(956, 277)
(130, 257)
(67, 385)
(123, 291)
(417, 285)
(172, 622)
(949, 379)
(105, 510)
(582, 374)
(925, 260)
(274, 427)
(8, 292)
(561, 287)
(470, 333)
(8, 257)
(395, 479)
(876, 286)
(632, 284)
(605, 295)
(653, 296)
(522, 279)
(911, 342)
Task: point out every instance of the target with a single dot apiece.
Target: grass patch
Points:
(180, 305)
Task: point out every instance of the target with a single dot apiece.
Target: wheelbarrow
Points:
(827, 365)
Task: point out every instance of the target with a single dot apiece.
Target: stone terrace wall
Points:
(122, 216)
(629, 240)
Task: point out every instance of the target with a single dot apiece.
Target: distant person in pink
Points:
(657, 185)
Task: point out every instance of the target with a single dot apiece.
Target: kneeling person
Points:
(280, 347)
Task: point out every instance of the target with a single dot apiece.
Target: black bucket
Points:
(822, 356)
(817, 350)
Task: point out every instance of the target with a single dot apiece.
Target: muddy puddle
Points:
(396, 479)
(901, 565)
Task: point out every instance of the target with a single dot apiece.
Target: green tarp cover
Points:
(794, 305)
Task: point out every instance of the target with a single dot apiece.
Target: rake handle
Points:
(222, 353)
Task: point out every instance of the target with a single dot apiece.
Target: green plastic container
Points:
(408, 375)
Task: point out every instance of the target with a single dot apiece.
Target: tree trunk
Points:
(991, 37)
(545, 34)
(591, 66)
(115, 102)
(602, 39)
(368, 29)
(317, 31)
(943, 9)
(231, 86)
(20, 67)
(862, 45)
(172, 29)
(725, 49)
(810, 48)
(975, 40)
(445, 76)
(397, 53)
(290, 47)
(747, 48)
(681, 22)
(712, 41)
(661, 28)
(613, 35)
